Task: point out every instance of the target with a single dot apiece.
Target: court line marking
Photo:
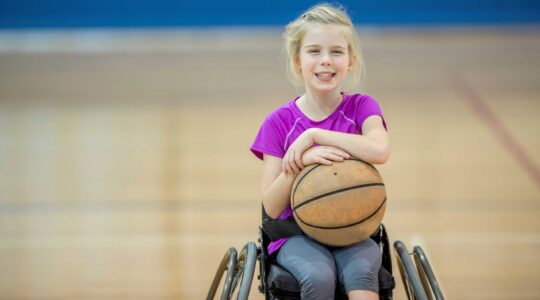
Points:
(482, 110)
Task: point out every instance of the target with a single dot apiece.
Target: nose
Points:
(325, 59)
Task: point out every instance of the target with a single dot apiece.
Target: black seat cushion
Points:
(386, 283)
(280, 280)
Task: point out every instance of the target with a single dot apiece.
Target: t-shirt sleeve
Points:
(368, 107)
(269, 139)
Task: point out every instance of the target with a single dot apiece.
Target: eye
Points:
(338, 52)
(313, 51)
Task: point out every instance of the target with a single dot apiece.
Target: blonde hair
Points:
(322, 14)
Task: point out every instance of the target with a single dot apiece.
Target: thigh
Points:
(305, 258)
(358, 266)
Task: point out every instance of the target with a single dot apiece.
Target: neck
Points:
(319, 106)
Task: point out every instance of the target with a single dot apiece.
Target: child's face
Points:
(324, 58)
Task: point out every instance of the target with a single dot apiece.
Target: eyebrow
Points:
(316, 45)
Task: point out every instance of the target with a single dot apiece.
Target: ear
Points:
(352, 62)
(297, 66)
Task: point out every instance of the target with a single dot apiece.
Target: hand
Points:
(292, 161)
(324, 155)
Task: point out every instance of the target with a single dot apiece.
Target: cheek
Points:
(344, 65)
(344, 61)
(307, 64)
(307, 61)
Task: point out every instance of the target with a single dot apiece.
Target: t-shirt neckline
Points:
(301, 114)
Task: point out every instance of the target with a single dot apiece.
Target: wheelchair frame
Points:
(418, 278)
(238, 270)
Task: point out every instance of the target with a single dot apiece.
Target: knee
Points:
(361, 277)
(318, 283)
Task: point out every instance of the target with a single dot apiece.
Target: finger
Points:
(334, 157)
(323, 161)
(303, 159)
(341, 153)
(294, 168)
(298, 160)
(292, 164)
(288, 167)
(285, 165)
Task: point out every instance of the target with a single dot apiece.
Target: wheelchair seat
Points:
(281, 283)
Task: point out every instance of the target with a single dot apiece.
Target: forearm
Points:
(276, 197)
(370, 149)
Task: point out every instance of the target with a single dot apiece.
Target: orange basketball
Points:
(339, 204)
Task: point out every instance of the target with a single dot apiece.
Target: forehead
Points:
(326, 35)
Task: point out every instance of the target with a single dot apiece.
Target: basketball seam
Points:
(318, 165)
(361, 186)
(370, 165)
(345, 226)
(300, 180)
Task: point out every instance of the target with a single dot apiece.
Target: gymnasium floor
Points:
(125, 171)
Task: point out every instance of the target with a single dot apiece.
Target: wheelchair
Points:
(277, 283)
(418, 279)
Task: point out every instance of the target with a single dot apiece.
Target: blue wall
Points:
(137, 13)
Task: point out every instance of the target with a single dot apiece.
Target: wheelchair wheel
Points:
(409, 275)
(245, 268)
(429, 281)
(228, 264)
(240, 271)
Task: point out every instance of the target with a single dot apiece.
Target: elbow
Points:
(270, 210)
(382, 155)
(272, 213)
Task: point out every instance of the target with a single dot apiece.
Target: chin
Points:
(325, 89)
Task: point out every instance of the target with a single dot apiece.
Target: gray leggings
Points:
(317, 267)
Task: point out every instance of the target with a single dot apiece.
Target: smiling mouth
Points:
(325, 75)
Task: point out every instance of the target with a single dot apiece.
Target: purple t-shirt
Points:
(285, 124)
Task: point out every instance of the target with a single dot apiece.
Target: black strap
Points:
(277, 229)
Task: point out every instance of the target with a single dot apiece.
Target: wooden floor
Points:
(125, 171)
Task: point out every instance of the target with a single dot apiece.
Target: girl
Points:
(321, 126)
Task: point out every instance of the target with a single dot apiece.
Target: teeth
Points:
(325, 75)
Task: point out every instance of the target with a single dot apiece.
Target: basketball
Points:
(339, 204)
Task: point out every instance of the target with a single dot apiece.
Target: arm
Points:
(275, 185)
(373, 146)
